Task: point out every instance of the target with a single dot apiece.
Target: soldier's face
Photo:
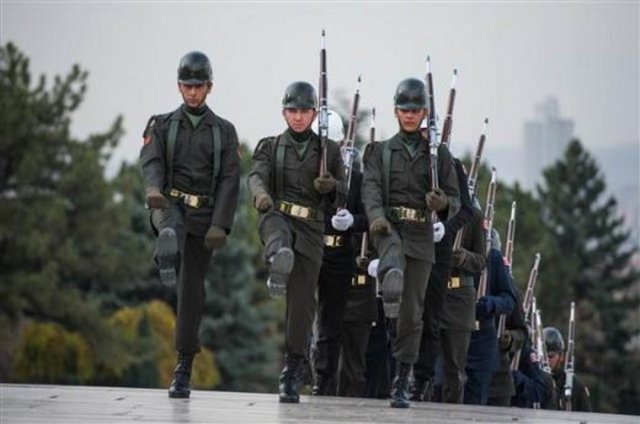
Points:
(410, 119)
(194, 95)
(555, 361)
(299, 119)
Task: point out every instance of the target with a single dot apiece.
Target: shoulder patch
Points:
(146, 134)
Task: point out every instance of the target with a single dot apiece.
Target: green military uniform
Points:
(192, 172)
(281, 228)
(458, 316)
(410, 246)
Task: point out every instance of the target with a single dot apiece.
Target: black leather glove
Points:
(155, 199)
(325, 184)
(263, 202)
(215, 237)
(437, 200)
(380, 226)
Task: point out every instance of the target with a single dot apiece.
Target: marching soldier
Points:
(192, 172)
(580, 398)
(424, 369)
(458, 314)
(290, 196)
(399, 199)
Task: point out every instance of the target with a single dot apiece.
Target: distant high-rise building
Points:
(545, 139)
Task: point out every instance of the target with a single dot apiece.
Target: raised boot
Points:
(281, 265)
(292, 378)
(400, 386)
(180, 387)
(166, 251)
(392, 286)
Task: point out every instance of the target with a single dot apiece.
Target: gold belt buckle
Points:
(453, 283)
(191, 200)
(359, 280)
(332, 240)
(299, 211)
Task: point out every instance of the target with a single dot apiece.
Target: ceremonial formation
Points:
(396, 282)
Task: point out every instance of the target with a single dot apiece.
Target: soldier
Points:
(424, 369)
(192, 172)
(580, 398)
(482, 358)
(458, 313)
(336, 272)
(398, 199)
(290, 196)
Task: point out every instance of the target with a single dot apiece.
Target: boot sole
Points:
(285, 400)
(166, 250)
(281, 266)
(392, 286)
(179, 395)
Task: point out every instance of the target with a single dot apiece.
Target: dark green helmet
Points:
(299, 95)
(194, 69)
(410, 94)
(553, 340)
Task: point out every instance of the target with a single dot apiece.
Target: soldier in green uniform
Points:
(458, 314)
(290, 194)
(192, 173)
(580, 398)
(399, 200)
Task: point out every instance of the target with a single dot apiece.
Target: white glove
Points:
(438, 231)
(372, 269)
(342, 220)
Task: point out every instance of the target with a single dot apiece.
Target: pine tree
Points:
(591, 264)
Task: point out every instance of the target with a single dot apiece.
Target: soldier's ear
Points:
(210, 85)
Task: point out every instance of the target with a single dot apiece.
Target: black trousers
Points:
(355, 338)
(334, 283)
(193, 258)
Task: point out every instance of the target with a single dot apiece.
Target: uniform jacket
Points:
(193, 166)
(409, 182)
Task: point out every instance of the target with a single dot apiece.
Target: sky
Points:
(510, 57)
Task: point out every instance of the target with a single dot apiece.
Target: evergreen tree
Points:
(58, 218)
(590, 264)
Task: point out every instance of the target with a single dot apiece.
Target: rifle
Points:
(323, 115)
(372, 139)
(488, 225)
(472, 178)
(351, 130)
(448, 120)
(526, 303)
(541, 347)
(569, 359)
(508, 259)
(433, 132)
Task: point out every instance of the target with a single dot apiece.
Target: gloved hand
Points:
(215, 237)
(504, 342)
(263, 202)
(437, 200)
(342, 220)
(325, 184)
(372, 270)
(155, 199)
(438, 232)
(380, 226)
(362, 262)
(459, 257)
(485, 307)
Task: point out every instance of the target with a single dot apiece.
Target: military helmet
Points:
(299, 95)
(194, 69)
(335, 126)
(553, 340)
(410, 94)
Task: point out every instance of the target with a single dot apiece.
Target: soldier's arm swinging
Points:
(227, 189)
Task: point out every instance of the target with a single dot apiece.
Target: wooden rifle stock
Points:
(448, 120)
(488, 225)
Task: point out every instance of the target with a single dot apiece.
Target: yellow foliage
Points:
(48, 353)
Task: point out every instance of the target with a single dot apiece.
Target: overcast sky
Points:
(510, 57)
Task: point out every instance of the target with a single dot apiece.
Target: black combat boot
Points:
(292, 378)
(180, 387)
(166, 251)
(418, 389)
(400, 386)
